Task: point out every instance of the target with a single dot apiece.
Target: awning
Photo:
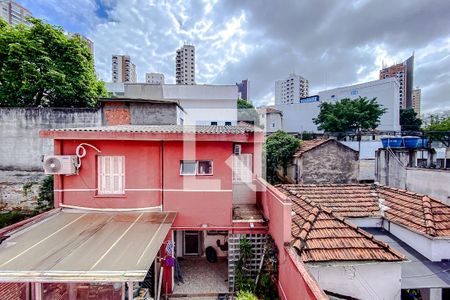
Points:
(85, 246)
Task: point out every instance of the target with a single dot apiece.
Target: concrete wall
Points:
(298, 117)
(390, 169)
(330, 162)
(154, 114)
(19, 189)
(362, 281)
(273, 122)
(21, 148)
(432, 182)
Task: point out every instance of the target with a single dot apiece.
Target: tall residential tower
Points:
(416, 99)
(404, 72)
(123, 70)
(185, 65)
(14, 13)
(290, 90)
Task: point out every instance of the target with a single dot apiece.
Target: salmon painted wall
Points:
(152, 178)
(199, 200)
(142, 175)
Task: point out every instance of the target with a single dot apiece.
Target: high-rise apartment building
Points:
(416, 95)
(290, 90)
(154, 78)
(14, 13)
(123, 70)
(404, 72)
(89, 42)
(243, 89)
(185, 65)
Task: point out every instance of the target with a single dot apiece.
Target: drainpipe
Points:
(162, 175)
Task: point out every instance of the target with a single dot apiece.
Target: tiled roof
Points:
(196, 129)
(417, 212)
(308, 145)
(271, 110)
(319, 236)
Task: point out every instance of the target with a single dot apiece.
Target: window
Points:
(227, 123)
(213, 123)
(196, 167)
(188, 167)
(242, 168)
(205, 167)
(111, 175)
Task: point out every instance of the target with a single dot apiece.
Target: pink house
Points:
(141, 196)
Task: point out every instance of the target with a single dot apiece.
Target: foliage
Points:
(246, 295)
(45, 197)
(349, 115)
(247, 112)
(409, 120)
(42, 66)
(443, 125)
(243, 280)
(26, 188)
(279, 148)
(12, 217)
(266, 285)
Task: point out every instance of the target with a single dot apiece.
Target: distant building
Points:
(123, 70)
(243, 89)
(154, 78)
(271, 119)
(185, 65)
(14, 13)
(204, 104)
(386, 92)
(323, 161)
(404, 72)
(416, 100)
(290, 90)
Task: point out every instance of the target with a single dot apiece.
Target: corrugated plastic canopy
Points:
(85, 246)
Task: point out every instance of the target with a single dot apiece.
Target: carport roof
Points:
(85, 246)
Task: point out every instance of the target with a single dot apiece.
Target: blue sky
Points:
(332, 43)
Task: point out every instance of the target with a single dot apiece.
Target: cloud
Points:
(332, 43)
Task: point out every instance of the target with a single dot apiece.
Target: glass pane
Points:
(205, 167)
(188, 167)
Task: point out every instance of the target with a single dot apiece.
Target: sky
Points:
(331, 43)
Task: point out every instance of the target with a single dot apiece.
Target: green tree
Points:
(409, 120)
(439, 130)
(349, 115)
(247, 112)
(42, 66)
(443, 125)
(279, 148)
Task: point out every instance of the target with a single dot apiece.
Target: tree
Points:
(409, 120)
(443, 125)
(279, 149)
(247, 112)
(42, 66)
(345, 115)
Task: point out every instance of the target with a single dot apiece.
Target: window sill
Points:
(111, 196)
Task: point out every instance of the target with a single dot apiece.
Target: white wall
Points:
(432, 182)
(386, 91)
(359, 280)
(211, 240)
(298, 117)
(204, 104)
(366, 222)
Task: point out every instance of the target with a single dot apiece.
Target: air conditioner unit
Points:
(237, 149)
(60, 164)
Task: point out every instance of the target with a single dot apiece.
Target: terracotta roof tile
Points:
(308, 145)
(319, 235)
(417, 212)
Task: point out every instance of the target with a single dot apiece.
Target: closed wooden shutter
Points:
(111, 175)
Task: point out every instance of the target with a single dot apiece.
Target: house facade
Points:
(323, 161)
(141, 199)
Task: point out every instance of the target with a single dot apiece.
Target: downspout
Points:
(162, 175)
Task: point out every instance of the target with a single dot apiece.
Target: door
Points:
(191, 243)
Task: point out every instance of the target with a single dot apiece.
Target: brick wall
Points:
(116, 113)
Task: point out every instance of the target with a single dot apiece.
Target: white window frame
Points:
(107, 175)
(196, 171)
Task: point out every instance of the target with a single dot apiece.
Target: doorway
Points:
(191, 243)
